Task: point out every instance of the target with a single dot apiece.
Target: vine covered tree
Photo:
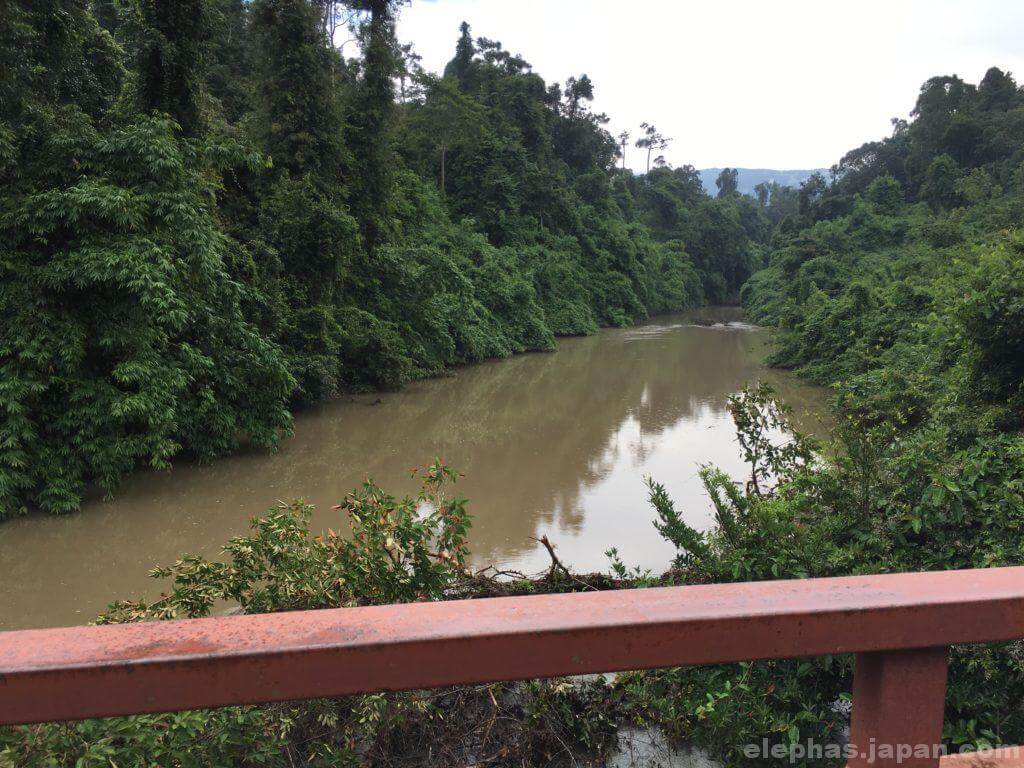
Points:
(172, 59)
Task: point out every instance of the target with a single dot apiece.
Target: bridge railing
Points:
(900, 626)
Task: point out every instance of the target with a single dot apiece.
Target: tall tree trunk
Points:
(373, 114)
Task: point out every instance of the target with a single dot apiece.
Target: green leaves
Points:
(394, 550)
(124, 334)
(883, 498)
(387, 550)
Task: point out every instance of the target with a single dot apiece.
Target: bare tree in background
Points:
(337, 14)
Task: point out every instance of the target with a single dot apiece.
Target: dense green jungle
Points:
(210, 218)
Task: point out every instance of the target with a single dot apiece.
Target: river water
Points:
(555, 444)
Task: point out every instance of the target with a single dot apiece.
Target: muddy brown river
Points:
(555, 444)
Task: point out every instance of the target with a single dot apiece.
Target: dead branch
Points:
(556, 564)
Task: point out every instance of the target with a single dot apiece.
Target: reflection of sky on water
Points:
(553, 444)
(610, 509)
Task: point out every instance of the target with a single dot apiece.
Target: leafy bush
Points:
(399, 550)
(885, 503)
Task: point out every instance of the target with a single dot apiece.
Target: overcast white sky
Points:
(750, 83)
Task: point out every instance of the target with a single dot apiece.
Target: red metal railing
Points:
(900, 626)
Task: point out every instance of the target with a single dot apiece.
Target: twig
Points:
(556, 564)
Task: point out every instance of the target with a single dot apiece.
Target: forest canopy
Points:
(210, 216)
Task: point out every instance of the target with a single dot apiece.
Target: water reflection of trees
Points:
(530, 434)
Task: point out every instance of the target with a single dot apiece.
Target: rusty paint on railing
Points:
(80, 672)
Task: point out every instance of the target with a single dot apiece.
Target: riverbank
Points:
(553, 444)
(416, 549)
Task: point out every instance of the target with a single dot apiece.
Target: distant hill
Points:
(751, 177)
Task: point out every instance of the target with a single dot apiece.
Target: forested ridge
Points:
(901, 278)
(210, 216)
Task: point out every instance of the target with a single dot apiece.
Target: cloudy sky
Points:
(762, 84)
